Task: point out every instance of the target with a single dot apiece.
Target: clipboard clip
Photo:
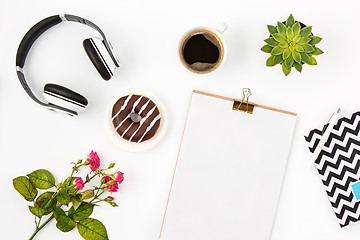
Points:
(244, 105)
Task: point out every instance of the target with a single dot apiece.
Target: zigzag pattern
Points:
(333, 159)
(338, 164)
(337, 188)
(347, 171)
(339, 160)
(341, 198)
(344, 133)
(311, 134)
(315, 145)
(347, 120)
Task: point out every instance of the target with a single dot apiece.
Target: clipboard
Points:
(229, 170)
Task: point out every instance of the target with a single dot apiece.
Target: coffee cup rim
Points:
(217, 35)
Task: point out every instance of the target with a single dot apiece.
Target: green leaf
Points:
(87, 194)
(63, 198)
(271, 29)
(46, 201)
(266, 48)
(305, 58)
(68, 186)
(286, 53)
(281, 28)
(290, 21)
(297, 38)
(283, 45)
(289, 61)
(289, 33)
(279, 37)
(59, 213)
(306, 31)
(296, 56)
(312, 61)
(317, 51)
(39, 212)
(286, 70)
(92, 229)
(23, 185)
(296, 28)
(83, 211)
(111, 165)
(278, 59)
(298, 66)
(314, 40)
(277, 51)
(299, 48)
(308, 48)
(42, 179)
(75, 201)
(304, 40)
(64, 223)
(72, 189)
(271, 41)
(270, 61)
(71, 212)
(68, 183)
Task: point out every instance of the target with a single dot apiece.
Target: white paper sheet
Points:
(229, 172)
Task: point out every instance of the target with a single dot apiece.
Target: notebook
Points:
(229, 170)
(338, 165)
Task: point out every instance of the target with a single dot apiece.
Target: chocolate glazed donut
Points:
(131, 129)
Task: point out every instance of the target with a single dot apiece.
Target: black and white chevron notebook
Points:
(338, 165)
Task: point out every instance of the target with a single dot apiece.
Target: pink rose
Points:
(119, 177)
(93, 160)
(113, 186)
(107, 178)
(79, 184)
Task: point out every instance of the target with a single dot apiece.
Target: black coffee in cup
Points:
(201, 51)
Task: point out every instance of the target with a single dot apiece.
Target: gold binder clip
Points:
(242, 105)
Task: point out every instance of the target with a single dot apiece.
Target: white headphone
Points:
(61, 98)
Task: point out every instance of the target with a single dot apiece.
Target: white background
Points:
(146, 35)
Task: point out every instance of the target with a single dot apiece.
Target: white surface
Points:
(145, 35)
(229, 172)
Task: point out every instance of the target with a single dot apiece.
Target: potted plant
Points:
(291, 44)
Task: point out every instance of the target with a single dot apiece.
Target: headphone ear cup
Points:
(98, 57)
(62, 96)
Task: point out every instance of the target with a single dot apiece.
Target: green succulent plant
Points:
(291, 45)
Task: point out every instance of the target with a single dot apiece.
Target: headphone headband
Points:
(39, 28)
(108, 46)
(33, 34)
